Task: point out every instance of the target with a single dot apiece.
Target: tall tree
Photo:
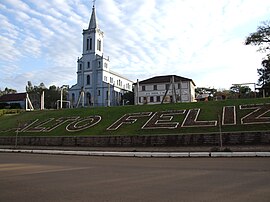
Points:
(261, 38)
(29, 87)
(264, 72)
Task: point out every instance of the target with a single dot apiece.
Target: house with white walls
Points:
(164, 89)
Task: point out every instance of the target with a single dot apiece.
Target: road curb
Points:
(141, 154)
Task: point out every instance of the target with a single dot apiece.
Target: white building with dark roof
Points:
(96, 84)
(164, 89)
(17, 99)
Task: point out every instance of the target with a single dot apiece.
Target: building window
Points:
(111, 80)
(155, 87)
(151, 99)
(98, 93)
(88, 65)
(143, 88)
(88, 80)
(80, 67)
(73, 98)
(179, 85)
(158, 98)
(88, 99)
(90, 43)
(99, 64)
(167, 86)
(105, 78)
(87, 44)
(107, 95)
(119, 82)
(99, 45)
(145, 100)
(105, 65)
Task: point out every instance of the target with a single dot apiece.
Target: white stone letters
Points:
(258, 114)
(83, 123)
(163, 120)
(253, 114)
(191, 120)
(128, 119)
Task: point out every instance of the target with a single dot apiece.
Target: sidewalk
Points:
(140, 154)
(163, 152)
(259, 148)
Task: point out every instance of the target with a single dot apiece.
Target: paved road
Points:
(33, 177)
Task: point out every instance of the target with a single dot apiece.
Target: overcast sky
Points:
(40, 40)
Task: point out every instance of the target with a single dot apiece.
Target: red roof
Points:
(13, 97)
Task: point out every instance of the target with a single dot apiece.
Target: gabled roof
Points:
(165, 79)
(13, 97)
(93, 20)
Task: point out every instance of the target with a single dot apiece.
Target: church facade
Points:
(96, 84)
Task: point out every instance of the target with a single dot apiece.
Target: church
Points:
(96, 84)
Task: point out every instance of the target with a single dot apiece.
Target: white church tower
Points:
(96, 84)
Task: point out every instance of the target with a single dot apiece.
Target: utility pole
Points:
(42, 100)
(109, 95)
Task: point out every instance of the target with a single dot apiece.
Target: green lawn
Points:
(210, 111)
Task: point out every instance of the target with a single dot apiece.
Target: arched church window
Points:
(73, 98)
(88, 80)
(88, 99)
(90, 43)
(88, 65)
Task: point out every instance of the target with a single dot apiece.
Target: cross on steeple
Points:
(94, 2)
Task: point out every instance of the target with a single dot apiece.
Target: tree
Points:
(128, 98)
(29, 87)
(51, 95)
(264, 72)
(240, 91)
(261, 38)
(264, 76)
(8, 91)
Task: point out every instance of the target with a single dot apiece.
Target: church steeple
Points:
(93, 21)
(93, 36)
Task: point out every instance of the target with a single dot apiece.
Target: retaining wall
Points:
(244, 138)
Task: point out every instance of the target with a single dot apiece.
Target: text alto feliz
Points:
(156, 120)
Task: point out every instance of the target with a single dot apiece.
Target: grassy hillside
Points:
(210, 111)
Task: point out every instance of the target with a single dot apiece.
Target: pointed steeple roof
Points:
(93, 21)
